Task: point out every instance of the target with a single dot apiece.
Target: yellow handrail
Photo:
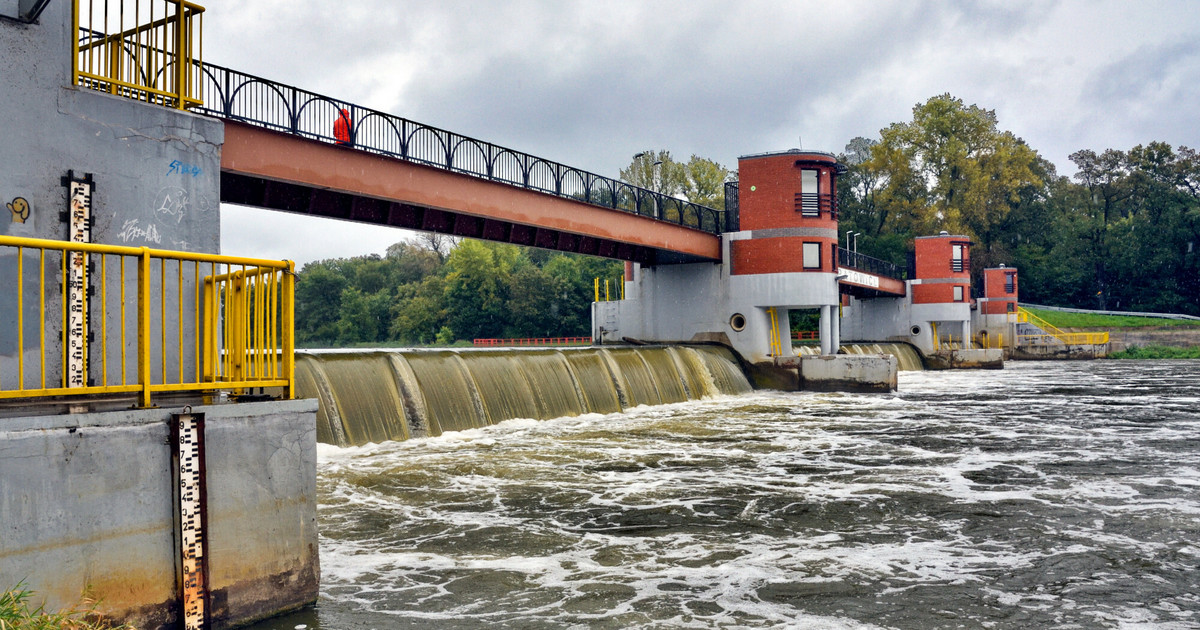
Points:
(241, 311)
(616, 292)
(1055, 334)
(154, 55)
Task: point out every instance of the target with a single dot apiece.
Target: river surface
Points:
(1044, 495)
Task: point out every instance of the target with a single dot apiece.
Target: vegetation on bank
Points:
(440, 292)
(1122, 233)
(1157, 352)
(1107, 322)
(18, 613)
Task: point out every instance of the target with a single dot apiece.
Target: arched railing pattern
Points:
(246, 98)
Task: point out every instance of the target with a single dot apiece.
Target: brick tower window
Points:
(812, 255)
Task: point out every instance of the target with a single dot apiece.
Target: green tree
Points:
(950, 168)
(656, 171)
(704, 182)
(476, 288)
(318, 303)
(419, 312)
(364, 317)
(536, 303)
(412, 262)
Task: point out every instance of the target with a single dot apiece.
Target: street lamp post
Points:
(654, 182)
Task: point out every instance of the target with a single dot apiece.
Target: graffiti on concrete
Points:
(182, 168)
(172, 202)
(19, 208)
(131, 230)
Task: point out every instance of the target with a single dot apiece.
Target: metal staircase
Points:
(1032, 330)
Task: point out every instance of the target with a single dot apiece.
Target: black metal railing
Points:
(959, 265)
(862, 262)
(246, 98)
(816, 204)
(732, 214)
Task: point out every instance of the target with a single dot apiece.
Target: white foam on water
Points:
(787, 510)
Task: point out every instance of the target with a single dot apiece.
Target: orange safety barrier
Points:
(806, 335)
(536, 341)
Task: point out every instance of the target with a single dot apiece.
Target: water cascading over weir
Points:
(375, 396)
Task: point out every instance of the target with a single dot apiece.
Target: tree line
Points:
(440, 290)
(1123, 233)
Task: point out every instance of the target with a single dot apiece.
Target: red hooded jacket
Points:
(341, 127)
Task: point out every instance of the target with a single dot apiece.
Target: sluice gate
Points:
(375, 396)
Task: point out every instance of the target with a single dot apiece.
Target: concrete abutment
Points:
(87, 509)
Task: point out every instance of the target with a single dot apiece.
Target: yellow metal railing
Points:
(1052, 334)
(618, 290)
(148, 50)
(988, 341)
(152, 321)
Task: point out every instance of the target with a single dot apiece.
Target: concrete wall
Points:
(677, 303)
(898, 319)
(156, 171)
(86, 507)
(864, 373)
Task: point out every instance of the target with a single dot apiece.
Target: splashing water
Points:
(1045, 495)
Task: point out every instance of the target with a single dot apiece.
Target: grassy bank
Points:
(1157, 352)
(1089, 320)
(17, 613)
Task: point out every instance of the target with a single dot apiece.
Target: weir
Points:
(375, 396)
(140, 309)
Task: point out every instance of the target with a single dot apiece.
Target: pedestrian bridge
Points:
(280, 153)
(864, 276)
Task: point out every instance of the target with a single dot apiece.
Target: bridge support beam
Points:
(283, 172)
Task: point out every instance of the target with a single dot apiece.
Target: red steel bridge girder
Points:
(274, 170)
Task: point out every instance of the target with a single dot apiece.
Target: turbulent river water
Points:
(1044, 495)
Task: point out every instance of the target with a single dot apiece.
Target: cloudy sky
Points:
(591, 83)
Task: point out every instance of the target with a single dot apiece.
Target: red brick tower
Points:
(788, 202)
(941, 286)
(999, 291)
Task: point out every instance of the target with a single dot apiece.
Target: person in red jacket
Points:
(341, 127)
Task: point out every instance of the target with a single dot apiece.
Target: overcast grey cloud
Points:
(592, 83)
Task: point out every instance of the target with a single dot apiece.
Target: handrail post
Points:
(75, 43)
(289, 340)
(180, 63)
(143, 308)
(209, 337)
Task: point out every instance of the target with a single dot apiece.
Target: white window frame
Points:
(810, 190)
(811, 252)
